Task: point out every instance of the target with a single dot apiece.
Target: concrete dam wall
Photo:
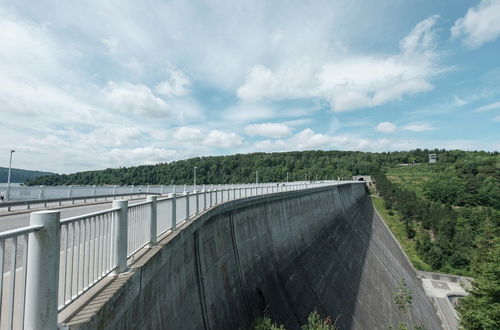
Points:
(285, 255)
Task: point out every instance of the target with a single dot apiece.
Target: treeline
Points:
(455, 222)
(20, 176)
(241, 168)
(467, 181)
(447, 237)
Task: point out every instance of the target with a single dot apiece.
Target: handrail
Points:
(88, 215)
(19, 231)
(139, 204)
(63, 199)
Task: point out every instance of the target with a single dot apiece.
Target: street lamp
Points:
(286, 177)
(195, 178)
(7, 194)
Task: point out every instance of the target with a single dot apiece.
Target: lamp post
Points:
(7, 194)
(195, 178)
(286, 177)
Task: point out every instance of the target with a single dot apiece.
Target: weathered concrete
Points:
(287, 254)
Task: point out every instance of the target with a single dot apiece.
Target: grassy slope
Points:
(413, 178)
(398, 229)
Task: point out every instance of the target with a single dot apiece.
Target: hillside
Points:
(19, 176)
(447, 216)
(241, 168)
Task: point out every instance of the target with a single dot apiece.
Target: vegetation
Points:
(444, 236)
(314, 322)
(398, 228)
(20, 176)
(241, 168)
(403, 296)
(451, 212)
(481, 308)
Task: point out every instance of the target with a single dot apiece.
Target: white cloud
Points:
(194, 138)
(176, 85)
(135, 98)
(113, 136)
(220, 139)
(187, 134)
(248, 112)
(111, 44)
(141, 155)
(386, 127)
(309, 140)
(351, 82)
(488, 107)
(418, 127)
(271, 130)
(480, 25)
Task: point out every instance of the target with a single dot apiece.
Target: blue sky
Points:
(96, 84)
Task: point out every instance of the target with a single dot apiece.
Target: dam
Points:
(283, 255)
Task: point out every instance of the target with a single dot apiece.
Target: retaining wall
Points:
(285, 255)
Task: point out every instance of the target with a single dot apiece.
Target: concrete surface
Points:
(286, 254)
(440, 289)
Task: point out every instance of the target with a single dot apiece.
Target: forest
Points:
(20, 176)
(241, 168)
(452, 211)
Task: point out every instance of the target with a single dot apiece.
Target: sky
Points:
(95, 84)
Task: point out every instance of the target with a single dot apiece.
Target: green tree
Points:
(481, 308)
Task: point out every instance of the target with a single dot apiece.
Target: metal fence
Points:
(86, 251)
(24, 193)
(48, 265)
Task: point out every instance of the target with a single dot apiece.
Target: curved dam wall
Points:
(285, 255)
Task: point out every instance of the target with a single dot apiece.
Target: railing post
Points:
(152, 220)
(203, 191)
(216, 195)
(121, 236)
(197, 195)
(210, 194)
(204, 198)
(42, 275)
(187, 203)
(174, 211)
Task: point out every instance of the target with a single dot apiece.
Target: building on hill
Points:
(432, 158)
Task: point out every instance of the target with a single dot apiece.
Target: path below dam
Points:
(285, 254)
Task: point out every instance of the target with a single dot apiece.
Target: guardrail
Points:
(59, 201)
(62, 259)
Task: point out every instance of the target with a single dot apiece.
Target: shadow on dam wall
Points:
(286, 255)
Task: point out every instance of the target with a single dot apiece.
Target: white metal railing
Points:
(13, 259)
(139, 223)
(49, 264)
(86, 253)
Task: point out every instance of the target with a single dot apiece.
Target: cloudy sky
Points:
(96, 84)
